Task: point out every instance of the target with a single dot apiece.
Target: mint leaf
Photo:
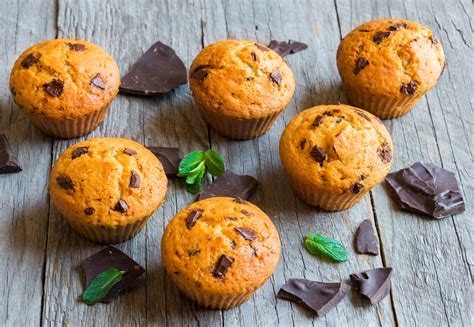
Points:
(196, 173)
(190, 162)
(101, 285)
(321, 245)
(195, 187)
(214, 163)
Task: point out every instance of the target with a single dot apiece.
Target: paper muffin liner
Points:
(239, 129)
(382, 107)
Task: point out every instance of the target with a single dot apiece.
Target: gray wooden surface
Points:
(432, 260)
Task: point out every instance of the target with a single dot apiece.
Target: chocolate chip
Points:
(302, 144)
(246, 213)
(317, 121)
(200, 73)
(230, 184)
(318, 154)
(362, 114)
(261, 47)
(222, 266)
(253, 55)
(76, 47)
(54, 88)
(79, 151)
(193, 252)
(192, 218)
(356, 187)
(134, 180)
(247, 233)
(282, 48)
(130, 152)
(169, 158)
(380, 36)
(89, 211)
(384, 152)
(434, 39)
(373, 284)
(409, 88)
(275, 77)
(366, 241)
(397, 26)
(239, 201)
(233, 245)
(98, 82)
(121, 206)
(297, 46)
(30, 60)
(8, 162)
(65, 182)
(361, 63)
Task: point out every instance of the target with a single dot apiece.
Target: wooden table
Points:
(432, 260)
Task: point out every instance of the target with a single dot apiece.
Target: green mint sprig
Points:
(321, 245)
(195, 165)
(101, 285)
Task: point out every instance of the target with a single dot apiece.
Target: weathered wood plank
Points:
(23, 198)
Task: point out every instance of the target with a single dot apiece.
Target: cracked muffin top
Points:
(241, 79)
(337, 149)
(391, 58)
(64, 78)
(220, 245)
(107, 182)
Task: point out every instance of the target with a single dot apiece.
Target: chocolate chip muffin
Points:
(65, 86)
(240, 87)
(387, 65)
(334, 155)
(107, 188)
(219, 250)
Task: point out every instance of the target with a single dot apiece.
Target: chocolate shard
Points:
(77, 152)
(409, 88)
(380, 36)
(8, 162)
(76, 47)
(130, 152)
(169, 158)
(158, 71)
(275, 77)
(373, 284)
(231, 185)
(247, 233)
(134, 180)
(318, 297)
(65, 182)
(366, 241)
(192, 218)
(30, 60)
(282, 48)
(318, 154)
(121, 206)
(361, 63)
(111, 257)
(54, 88)
(222, 266)
(297, 46)
(97, 82)
(427, 189)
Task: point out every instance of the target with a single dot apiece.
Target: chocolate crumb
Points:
(409, 88)
(98, 82)
(318, 154)
(356, 187)
(192, 218)
(275, 77)
(76, 47)
(380, 36)
(121, 206)
(384, 152)
(302, 144)
(134, 180)
(89, 211)
(396, 27)
(200, 73)
(30, 60)
(254, 56)
(54, 88)
(361, 63)
(65, 182)
(222, 266)
(79, 151)
(130, 152)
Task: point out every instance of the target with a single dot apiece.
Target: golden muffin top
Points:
(391, 58)
(64, 78)
(241, 79)
(336, 148)
(107, 181)
(219, 229)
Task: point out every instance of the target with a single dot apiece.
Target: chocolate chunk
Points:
(8, 162)
(297, 46)
(222, 266)
(373, 284)
(158, 71)
(121, 206)
(30, 60)
(169, 158)
(427, 189)
(193, 252)
(261, 47)
(409, 88)
(192, 218)
(362, 114)
(282, 48)
(76, 47)
(253, 55)
(318, 297)
(98, 82)
(65, 182)
(130, 152)
(385, 153)
(246, 213)
(366, 241)
(231, 185)
(396, 27)
(434, 39)
(200, 73)
(79, 151)
(302, 144)
(318, 154)
(361, 63)
(247, 233)
(275, 77)
(239, 201)
(318, 120)
(54, 88)
(380, 36)
(111, 257)
(134, 180)
(89, 211)
(356, 187)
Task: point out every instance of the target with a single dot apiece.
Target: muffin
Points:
(240, 87)
(65, 86)
(387, 65)
(334, 155)
(219, 250)
(107, 188)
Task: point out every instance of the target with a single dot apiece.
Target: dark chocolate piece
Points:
(385, 153)
(192, 218)
(297, 46)
(65, 182)
(318, 120)
(79, 151)
(282, 48)
(427, 189)
(231, 185)
(54, 88)
(200, 73)
(366, 241)
(373, 284)
(111, 257)
(76, 47)
(30, 60)
(361, 63)
(130, 152)
(396, 27)
(247, 233)
(97, 82)
(275, 77)
(134, 180)
(158, 71)
(409, 88)
(222, 266)
(121, 206)
(8, 162)
(318, 154)
(89, 211)
(356, 187)
(169, 158)
(380, 36)
(318, 297)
